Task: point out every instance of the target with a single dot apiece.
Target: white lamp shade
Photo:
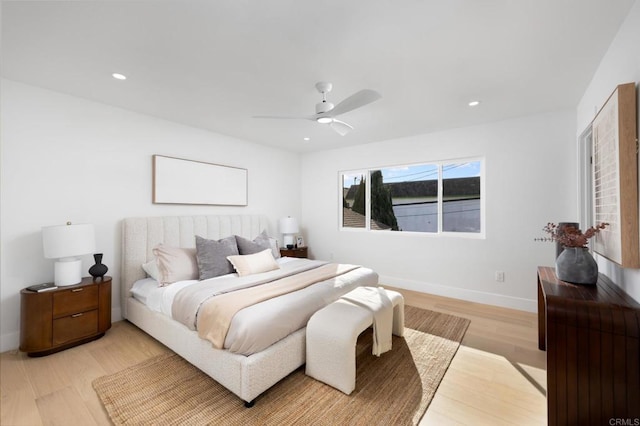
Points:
(288, 225)
(63, 241)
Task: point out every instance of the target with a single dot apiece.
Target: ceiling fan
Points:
(326, 111)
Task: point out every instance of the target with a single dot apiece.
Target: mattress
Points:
(257, 327)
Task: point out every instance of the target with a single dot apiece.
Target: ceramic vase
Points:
(99, 269)
(577, 266)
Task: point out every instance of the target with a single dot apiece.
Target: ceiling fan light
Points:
(324, 120)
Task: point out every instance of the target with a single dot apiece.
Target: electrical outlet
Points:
(500, 276)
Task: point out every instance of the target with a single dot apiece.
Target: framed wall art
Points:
(615, 178)
(180, 181)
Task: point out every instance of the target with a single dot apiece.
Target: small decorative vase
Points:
(98, 270)
(576, 265)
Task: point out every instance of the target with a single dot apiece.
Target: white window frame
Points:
(585, 178)
(366, 172)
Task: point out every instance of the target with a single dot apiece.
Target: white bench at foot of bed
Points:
(332, 333)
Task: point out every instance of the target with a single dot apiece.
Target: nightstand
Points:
(51, 321)
(294, 252)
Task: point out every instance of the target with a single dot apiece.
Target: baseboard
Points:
(9, 341)
(116, 314)
(501, 300)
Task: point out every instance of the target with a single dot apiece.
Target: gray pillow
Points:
(261, 242)
(211, 256)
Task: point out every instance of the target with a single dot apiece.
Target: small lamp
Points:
(66, 243)
(288, 227)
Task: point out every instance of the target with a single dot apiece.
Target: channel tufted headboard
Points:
(141, 234)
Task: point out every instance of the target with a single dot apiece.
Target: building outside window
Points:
(444, 197)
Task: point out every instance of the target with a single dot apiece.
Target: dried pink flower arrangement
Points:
(570, 236)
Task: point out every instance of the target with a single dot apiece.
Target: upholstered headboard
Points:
(141, 234)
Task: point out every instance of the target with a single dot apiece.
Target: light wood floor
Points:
(497, 377)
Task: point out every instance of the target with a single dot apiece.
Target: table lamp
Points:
(288, 227)
(67, 243)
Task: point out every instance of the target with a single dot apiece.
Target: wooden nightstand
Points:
(294, 252)
(51, 321)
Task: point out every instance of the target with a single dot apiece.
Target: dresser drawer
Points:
(75, 300)
(74, 327)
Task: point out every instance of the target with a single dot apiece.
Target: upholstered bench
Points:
(332, 333)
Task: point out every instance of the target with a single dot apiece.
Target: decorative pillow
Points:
(212, 255)
(151, 268)
(275, 249)
(254, 263)
(175, 264)
(261, 242)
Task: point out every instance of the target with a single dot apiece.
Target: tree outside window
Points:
(432, 198)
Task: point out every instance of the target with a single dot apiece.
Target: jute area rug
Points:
(394, 389)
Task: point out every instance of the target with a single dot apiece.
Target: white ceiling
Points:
(215, 64)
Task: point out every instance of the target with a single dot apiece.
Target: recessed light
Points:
(118, 76)
(474, 103)
(306, 139)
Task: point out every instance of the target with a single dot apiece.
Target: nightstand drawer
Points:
(294, 252)
(74, 327)
(75, 300)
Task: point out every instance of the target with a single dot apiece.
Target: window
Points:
(586, 178)
(353, 200)
(431, 198)
(461, 197)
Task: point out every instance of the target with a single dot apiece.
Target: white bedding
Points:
(160, 299)
(257, 327)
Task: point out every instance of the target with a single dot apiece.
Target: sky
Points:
(419, 172)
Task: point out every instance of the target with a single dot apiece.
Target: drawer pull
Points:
(76, 315)
(76, 290)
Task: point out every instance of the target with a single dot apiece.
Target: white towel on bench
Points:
(377, 301)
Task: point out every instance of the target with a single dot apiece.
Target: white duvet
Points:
(257, 327)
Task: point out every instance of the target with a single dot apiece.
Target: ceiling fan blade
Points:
(284, 117)
(340, 127)
(356, 100)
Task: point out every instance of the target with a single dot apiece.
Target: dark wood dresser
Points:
(592, 338)
(55, 320)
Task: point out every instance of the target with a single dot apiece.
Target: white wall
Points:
(65, 158)
(530, 180)
(621, 64)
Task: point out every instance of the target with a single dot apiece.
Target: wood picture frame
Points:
(180, 181)
(615, 178)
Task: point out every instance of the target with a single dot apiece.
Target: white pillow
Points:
(151, 268)
(254, 263)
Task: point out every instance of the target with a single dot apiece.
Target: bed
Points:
(246, 375)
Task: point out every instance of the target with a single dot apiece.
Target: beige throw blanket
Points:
(215, 315)
(376, 300)
(187, 301)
